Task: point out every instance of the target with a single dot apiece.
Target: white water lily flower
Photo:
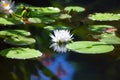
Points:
(7, 6)
(60, 39)
(61, 36)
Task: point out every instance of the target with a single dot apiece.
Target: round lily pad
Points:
(9, 21)
(99, 28)
(20, 53)
(111, 40)
(104, 17)
(90, 47)
(74, 8)
(6, 33)
(19, 40)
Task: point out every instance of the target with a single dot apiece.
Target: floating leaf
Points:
(104, 35)
(111, 40)
(20, 53)
(65, 16)
(38, 11)
(99, 28)
(90, 47)
(19, 40)
(9, 21)
(104, 17)
(47, 20)
(6, 33)
(34, 20)
(56, 27)
(74, 8)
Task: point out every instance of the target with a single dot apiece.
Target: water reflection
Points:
(59, 66)
(69, 66)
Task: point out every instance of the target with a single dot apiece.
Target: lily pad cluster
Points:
(25, 15)
(105, 34)
(18, 38)
(52, 18)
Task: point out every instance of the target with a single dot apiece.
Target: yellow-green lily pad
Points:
(74, 8)
(90, 47)
(9, 21)
(20, 53)
(110, 40)
(99, 28)
(6, 33)
(19, 40)
(104, 17)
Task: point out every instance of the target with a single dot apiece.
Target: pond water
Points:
(63, 66)
(70, 65)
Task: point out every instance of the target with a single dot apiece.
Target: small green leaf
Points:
(104, 17)
(74, 8)
(20, 53)
(99, 28)
(65, 16)
(56, 27)
(34, 20)
(6, 33)
(90, 47)
(9, 21)
(19, 40)
(111, 40)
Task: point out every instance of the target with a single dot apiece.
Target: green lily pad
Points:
(47, 20)
(9, 21)
(35, 11)
(6, 33)
(65, 16)
(34, 20)
(104, 17)
(74, 8)
(90, 47)
(111, 40)
(56, 27)
(104, 35)
(19, 40)
(20, 53)
(99, 28)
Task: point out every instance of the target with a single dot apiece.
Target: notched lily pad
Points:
(19, 40)
(74, 8)
(90, 47)
(99, 28)
(111, 40)
(20, 53)
(9, 21)
(104, 17)
(6, 33)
